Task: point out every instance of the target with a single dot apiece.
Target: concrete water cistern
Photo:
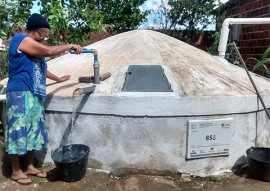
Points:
(167, 106)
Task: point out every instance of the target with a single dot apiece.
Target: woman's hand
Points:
(53, 77)
(63, 78)
(78, 48)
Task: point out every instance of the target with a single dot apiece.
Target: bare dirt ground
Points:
(98, 180)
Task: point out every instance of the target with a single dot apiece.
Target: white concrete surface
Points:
(2, 97)
(149, 130)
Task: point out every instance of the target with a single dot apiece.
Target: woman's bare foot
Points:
(32, 171)
(21, 178)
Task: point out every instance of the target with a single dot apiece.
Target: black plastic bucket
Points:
(259, 162)
(71, 161)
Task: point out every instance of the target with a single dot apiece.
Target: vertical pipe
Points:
(223, 39)
(225, 30)
(96, 73)
(96, 63)
(96, 67)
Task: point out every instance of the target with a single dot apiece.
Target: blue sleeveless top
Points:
(26, 73)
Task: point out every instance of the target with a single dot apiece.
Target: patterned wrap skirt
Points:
(25, 123)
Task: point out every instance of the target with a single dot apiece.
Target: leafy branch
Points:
(263, 62)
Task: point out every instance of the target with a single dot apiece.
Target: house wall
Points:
(253, 39)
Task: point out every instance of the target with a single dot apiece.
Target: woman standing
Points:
(26, 90)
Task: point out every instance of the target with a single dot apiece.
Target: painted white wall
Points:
(157, 143)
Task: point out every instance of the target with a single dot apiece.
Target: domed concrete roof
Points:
(209, 85)
(194, 72)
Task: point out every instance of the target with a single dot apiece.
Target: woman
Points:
(26, 90)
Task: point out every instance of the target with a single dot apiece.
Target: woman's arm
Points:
(56, 78)
(34, 48)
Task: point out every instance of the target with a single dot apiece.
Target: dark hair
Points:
(37, 21)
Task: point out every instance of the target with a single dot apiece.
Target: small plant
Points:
(214, 48)
(263, 62)
(231, 54)
(214, 178)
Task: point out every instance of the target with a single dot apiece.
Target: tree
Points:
(3, 19)
(71, 20)
(160, 15)
(84, 18)
(122, 15)
(57, 16)
(193, 16)
(80, 17)
(14, 12)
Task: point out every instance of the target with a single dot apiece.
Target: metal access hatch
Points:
(146, 78)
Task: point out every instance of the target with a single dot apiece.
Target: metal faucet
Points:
(97, 77)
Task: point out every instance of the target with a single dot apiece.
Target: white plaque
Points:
(207, 138)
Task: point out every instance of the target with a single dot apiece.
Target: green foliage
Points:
(3, 64)
(3, 19)
(71, 21)
(122, 15)
(263, 62)
(214, 48)
(84, 18)
(230, 55)
(161, 19)
(192, 15)
(56, 15)
(13, 12)
(213, 178)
